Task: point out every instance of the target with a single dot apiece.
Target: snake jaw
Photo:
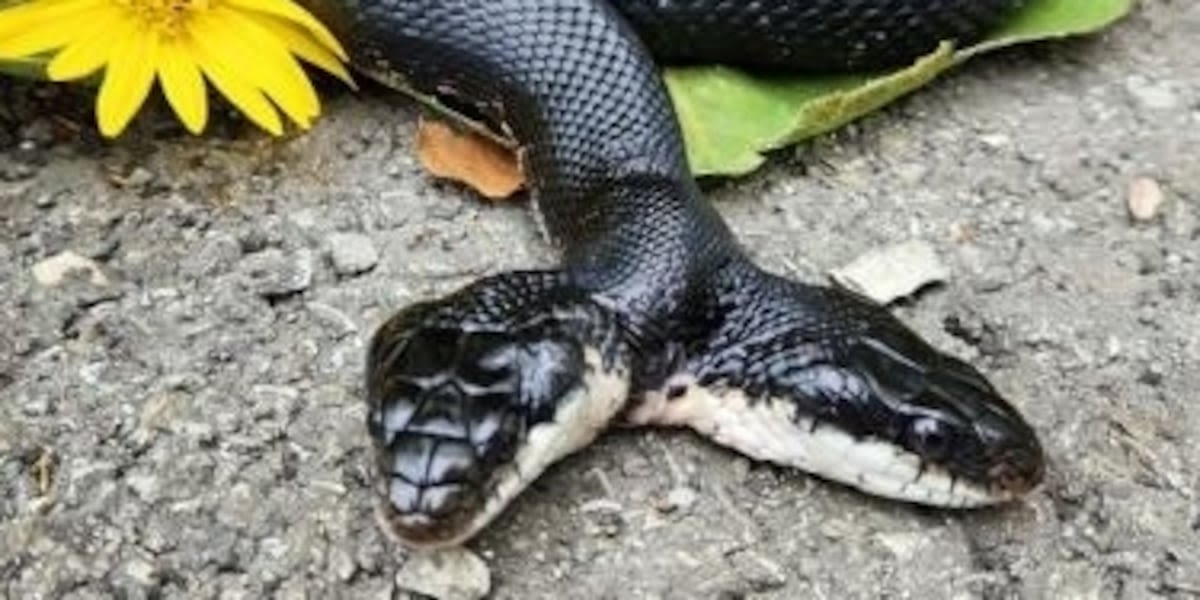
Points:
(773, 429)
(578, 417)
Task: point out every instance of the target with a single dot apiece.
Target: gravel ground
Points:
(181, 415)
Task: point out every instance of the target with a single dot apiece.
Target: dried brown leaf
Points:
(469, 158)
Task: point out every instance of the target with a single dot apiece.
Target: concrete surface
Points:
(181, 416)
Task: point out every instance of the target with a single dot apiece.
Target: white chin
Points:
(580, 416)
(768, 430)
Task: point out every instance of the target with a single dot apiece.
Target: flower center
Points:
(169, 17)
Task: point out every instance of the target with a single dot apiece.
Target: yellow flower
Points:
(247, 49)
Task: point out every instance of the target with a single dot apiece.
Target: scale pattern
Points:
(808, 35)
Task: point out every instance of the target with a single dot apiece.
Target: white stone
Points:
(54, 270)
(450, 574)
(893, 272)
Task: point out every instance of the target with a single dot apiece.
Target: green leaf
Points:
(26, 68)
(1052, 19)
(730, 118)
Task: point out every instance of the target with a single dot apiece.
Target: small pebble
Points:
(600, 505)
(54, 270)
(142, 572)
(352, 253)
(995, 140)
(605, 524)
(342, 564)
(1145, 199)
(138, 177)
(45, 201)
(903, 545)
(35, 405)
(760, 572)
(1156, 95)
(1151, 376)
(273, 273)
(146, 486)
(680, 499)
(451, 574)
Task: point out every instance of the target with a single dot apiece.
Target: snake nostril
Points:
(1019, 470)
(1035, 468)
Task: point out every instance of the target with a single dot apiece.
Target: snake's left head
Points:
(471, 397)
(964, 443)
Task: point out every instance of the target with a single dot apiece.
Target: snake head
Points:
(969, 445)
(471, 398)
(830, 383)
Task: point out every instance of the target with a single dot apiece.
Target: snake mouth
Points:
(421, 531)
(970, 478)
(1008, 481)
(775, 430)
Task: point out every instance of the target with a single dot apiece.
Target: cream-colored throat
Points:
(769, 429)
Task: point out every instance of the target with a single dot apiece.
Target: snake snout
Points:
(444, 416)
(996, 448)
(1019, 468)
(431, 487)
(432, 482)
(1008, 452)
(949, 415)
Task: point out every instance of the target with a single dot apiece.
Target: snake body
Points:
(656, 315)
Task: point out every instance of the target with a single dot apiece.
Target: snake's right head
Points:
(466, 409)
(970, 445)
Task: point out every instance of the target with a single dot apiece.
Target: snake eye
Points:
(929, 437)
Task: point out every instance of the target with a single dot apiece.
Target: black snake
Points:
(656, 316)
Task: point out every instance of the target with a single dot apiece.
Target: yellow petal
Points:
(127, 79)
(26, 16)
(300, 43)
(87, 52)
(293, 12)
(183, 85)
(274, 71)
(241, 94)
(42, 36)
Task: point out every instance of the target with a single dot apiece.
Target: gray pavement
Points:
(183, 417)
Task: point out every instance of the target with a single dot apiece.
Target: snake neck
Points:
(657, 255)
